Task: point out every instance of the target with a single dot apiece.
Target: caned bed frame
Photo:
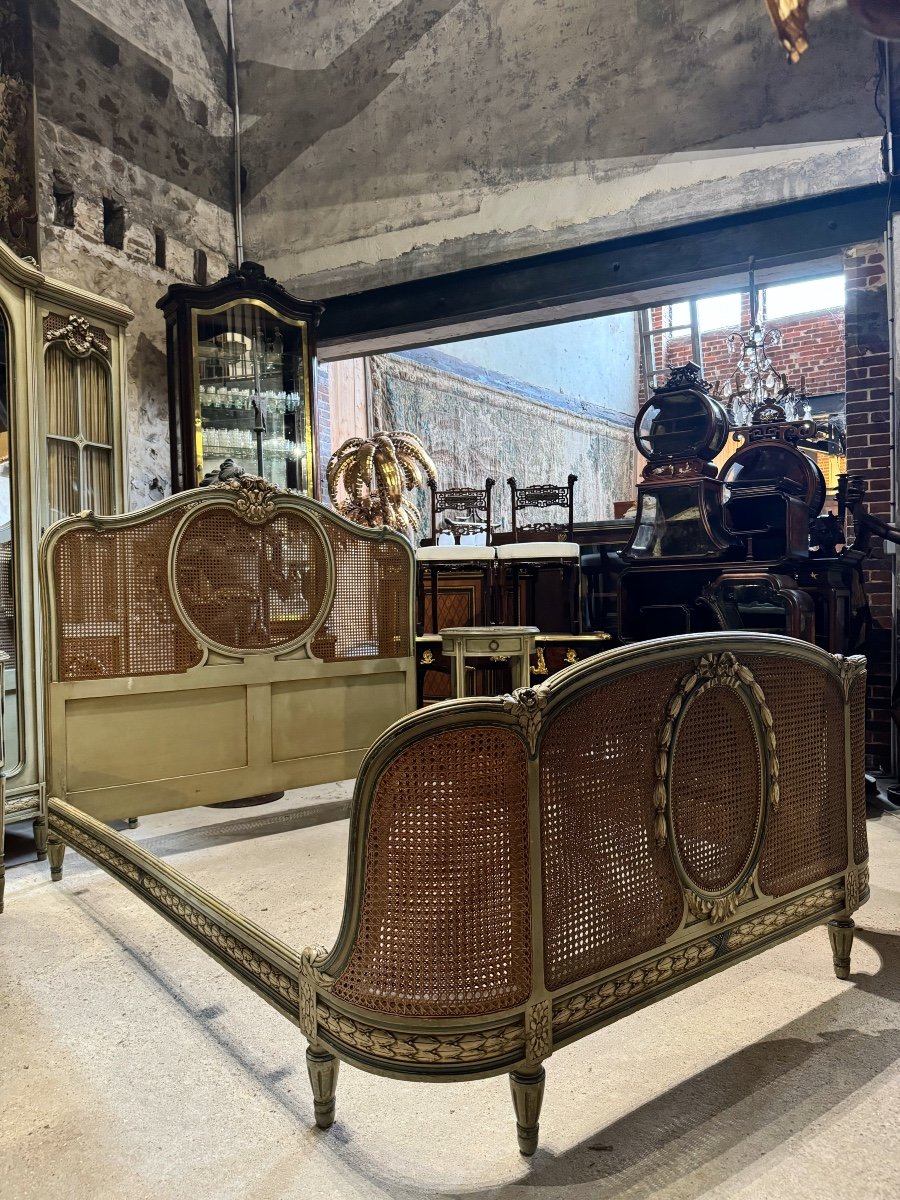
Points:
(525, 869)
(227, 642)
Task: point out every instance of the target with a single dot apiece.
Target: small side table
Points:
(515, 642)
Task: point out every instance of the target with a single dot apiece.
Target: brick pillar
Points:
(869, 453)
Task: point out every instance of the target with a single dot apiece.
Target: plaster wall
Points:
(132, 106)
(594, 361)
(389, 139)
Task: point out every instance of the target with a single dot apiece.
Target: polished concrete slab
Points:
(133, 1066)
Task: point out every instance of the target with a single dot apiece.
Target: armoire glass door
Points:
(8, 621)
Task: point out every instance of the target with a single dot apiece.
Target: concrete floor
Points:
(133, 1066)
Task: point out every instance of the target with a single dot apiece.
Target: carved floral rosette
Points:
(527, 706)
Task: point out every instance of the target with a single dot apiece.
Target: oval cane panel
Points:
(251, 586)
(716, 797)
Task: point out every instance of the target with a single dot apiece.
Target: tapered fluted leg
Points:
(40, 837)
(841, 934)
(56, 849)
(527, 1093)
(323, 1073)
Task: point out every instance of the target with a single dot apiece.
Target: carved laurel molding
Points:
(22, 804)
(632, 983)
(93, 848)
(850, 670)
(628, 984)
(788, 914)
(527, 706)
(79, 337)
(539, 1030)
(713, 670)
(472, 1046)
(226, 943)
(256, 496)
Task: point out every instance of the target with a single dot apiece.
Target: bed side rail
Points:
(259, 960)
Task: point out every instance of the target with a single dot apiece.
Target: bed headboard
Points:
(229, 641)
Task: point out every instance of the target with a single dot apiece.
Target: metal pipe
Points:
(236, 113)
(892, 335)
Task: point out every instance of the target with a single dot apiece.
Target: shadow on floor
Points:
(245, 828)
(696, 1136)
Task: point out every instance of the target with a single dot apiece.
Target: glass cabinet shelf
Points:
(241, 370)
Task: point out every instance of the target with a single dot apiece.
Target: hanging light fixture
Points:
(756, 391)
(790, 18)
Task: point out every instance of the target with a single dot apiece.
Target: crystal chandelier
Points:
(756, 391)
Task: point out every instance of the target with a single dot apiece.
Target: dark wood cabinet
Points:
(241, 358)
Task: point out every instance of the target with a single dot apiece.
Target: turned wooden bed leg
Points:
(56, 849)
(39, 826)
(132, 822)
(323, 1073)
(841, 934)
(527, 1093)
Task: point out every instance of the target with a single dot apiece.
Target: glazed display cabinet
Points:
(62, 381)
(241, 356)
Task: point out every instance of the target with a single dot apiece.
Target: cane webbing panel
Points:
(806, 839)
(858, 759)
(609, 892)
(114, 614)
(445, 926)
(251, 586)
(716, 798)
(370, 615)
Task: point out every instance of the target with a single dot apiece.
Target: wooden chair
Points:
(540, 546)
(432, 558)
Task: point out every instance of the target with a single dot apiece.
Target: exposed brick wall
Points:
(812, 346)
(869, 453)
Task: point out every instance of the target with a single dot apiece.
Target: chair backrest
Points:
(542, 495)
(471, 502)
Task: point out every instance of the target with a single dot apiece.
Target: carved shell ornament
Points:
(78, 336)
(256, 496)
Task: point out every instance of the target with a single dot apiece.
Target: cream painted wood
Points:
(26, 297)
(515, 642)
(239, 723)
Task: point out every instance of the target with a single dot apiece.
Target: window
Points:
(807, 296)
(79, 433)
(113, 223)
(159, 236)
(64, 205)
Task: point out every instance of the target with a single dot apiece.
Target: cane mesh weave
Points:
(858, 761)
(609, 891)
(806, 838)
(251, 586)
(370, 617)
(445, 926)
(716, 797)
(114, 614)
(7, 603)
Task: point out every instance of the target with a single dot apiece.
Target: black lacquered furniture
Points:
(463, 512)
(542, 559)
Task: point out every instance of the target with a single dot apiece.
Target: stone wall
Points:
(133, 120)
(392, 139)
